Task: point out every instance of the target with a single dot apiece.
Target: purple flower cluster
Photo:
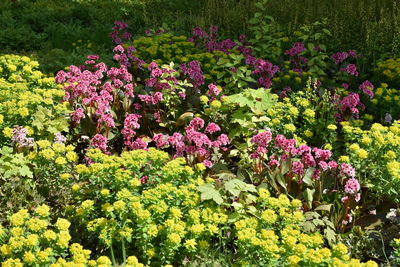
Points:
(296, 49)
(367, 88)
(266, 71)
(350, 69)
(209, 40)
(127, 57)
(120, 33)
(194, 73)
(339, 57)
(349, 104)
(59, 138)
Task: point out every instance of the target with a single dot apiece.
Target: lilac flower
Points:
(297, 48)
(19, 137)
(367, 88)
(194, 72)
(59, 138)
(339, 57)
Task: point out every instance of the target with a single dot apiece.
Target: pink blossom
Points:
(212, 128)
(262, 139)
(347, 169)
(77, 115)
(213, 90)
(196, 124)
(298, 168)
(161, 140)
(207, 163)
(352, 186)
(99, 141)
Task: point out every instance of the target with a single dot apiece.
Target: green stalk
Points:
(112, 256)
(123, 250)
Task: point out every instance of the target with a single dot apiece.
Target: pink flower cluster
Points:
(283, 149)
(349, 106)
(162, 78)
(127, 57)
(350, 69)
(131, 123)
(99, 141)
(93, 89)
(301, 162)
(196, 145)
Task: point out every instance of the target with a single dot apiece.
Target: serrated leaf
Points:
(25, 171)
(308, 226)
(330, 235)
(208, 192)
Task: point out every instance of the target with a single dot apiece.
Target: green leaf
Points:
(209, 192)
(325, 207)
(308, 226)
(309, 196)
(185, 117)
(252, 210)
(330, 235)
(237, 205)
(307, 179)
(25, 171)
(285, 167)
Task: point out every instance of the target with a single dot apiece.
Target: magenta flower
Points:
(99, 141)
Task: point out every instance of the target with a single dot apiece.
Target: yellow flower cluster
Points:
(375, 154)
(55, 154)
(385, 102)
(165, 48)
(275, 236)
(23, 89)
(296, 117)
(390, 68)
(31, 240)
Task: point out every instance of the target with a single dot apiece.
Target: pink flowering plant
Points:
(110, 104)
(306, 173)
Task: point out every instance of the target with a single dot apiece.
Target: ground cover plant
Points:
(206, 146)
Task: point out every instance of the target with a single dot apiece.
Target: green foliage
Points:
(371, 27)
(233, 73)
(17, 188)
(247, 111)
(265, 32)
